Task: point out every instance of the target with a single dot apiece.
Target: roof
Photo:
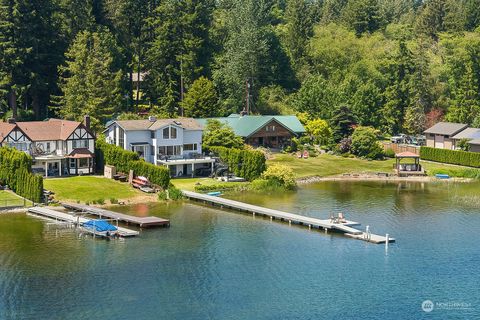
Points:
(474, 141)
(80, 153)
(5, 129)
(53, 129)
(245, 126)
(446, 128)
(469, 133)
(407, 154)
(138, 125)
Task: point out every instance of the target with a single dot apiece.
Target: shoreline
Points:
(369, 177)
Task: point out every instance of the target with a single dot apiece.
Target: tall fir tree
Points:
(91, 79)
(179, 51)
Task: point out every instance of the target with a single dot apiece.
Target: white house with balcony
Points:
(175, 143)
(58, 147)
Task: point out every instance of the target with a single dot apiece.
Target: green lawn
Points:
(10, 199)
(90, 188)
(330, 165)
(189, 183)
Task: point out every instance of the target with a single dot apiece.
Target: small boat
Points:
(214, 194)
(306, 154)
(147, 189)
(100, 228)
(140, 181)
(442, 176)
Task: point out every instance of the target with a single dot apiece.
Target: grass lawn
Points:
(10, 199)
(189, 183)
(330, 165)
(90, 188)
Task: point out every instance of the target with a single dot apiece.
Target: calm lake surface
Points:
(214, 264)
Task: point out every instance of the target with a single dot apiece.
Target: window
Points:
(273, 128)
(173, 133)
(152, 134)
(152, 150)
(170, 150)
(166, 133)
(72, 163)
(80, 144)
(121, 138)
(48, 146)
(190, 147)
(83, 163)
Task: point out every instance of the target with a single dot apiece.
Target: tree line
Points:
(396, 65)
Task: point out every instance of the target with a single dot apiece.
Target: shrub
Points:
(365, 143)
(101, 201)
(280, 174)
(345, 145)
(172, 193)
(125, 160)
(248, 164)
(113, 200)
(16, 172)
(389, 153)
(463, 158)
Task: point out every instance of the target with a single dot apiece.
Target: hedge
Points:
(463, 158)
(125, 160)
(16, 172)
(248, 164)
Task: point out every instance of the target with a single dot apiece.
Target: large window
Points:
(80, 144)
(169, 133)
(170, 150)
(20, 146)
(83, 163)
(121, 138)
(190, 147)
(166, 133)
(173, 133)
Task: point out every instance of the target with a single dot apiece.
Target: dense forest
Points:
(396, 65)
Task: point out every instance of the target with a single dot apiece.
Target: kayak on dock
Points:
(215, 194)
(442, 176)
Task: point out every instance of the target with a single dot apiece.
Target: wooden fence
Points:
(398, 148)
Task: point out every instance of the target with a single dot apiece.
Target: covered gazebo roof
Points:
(407, 154)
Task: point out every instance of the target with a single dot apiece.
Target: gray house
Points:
(442, 134)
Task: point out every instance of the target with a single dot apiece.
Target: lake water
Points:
(214, 264)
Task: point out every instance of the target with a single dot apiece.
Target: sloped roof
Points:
(407, 154)
(5, 129)
(446, 128)
(469, 133)
(245, 126)
(137, 125)
(53, 129)
(474, 141)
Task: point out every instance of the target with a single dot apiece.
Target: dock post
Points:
(326, 230)
(289, 222)
(271, 218)
(309, 227)
(386, 241)
(253, 212)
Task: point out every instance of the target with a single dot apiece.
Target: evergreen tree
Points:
(179, 50)
(91, 79)
(299, 28)
(362, 16)
(342, 123)
(201, 100)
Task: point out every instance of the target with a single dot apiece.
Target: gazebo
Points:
(408, 168)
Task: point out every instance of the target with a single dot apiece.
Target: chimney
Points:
(86, 121)
(152, 118)
(11, 120)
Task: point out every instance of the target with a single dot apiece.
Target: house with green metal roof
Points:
(268, 131)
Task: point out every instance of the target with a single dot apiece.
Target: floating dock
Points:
(76, 220)
(347, 227)
(143, 222)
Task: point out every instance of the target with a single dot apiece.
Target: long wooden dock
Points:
(326, 224)
(65, 217)
(143, 222)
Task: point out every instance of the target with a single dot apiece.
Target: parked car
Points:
(400, 138)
